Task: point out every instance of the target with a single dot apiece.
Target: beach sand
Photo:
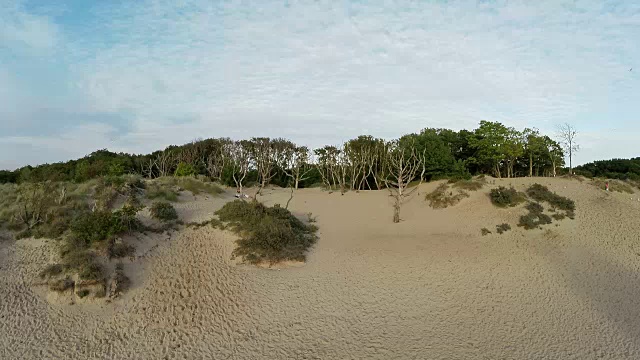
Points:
(430, 287)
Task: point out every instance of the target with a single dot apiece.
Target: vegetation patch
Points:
(485, 231)
(62, 285)
(469, 185)
(268, 234)
(502, 228)
(51, 271)
(442, 197)
(83, 293)
(121, 249)
(542, 193)
(506, 197)
(614, 185)
(163, 211)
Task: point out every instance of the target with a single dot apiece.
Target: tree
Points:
(567, 134)
(239, 158)
(296, 164)
(404, 164)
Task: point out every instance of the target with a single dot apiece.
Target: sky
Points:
(137, 76)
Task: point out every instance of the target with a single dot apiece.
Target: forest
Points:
(623, 169)
(362, 163)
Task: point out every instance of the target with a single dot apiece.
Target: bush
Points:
(534, 221)
(92, 271)
(485, 231)
(83, 293)
(268, 235)
(51, 271)
(470, 185)
(502, 228)
(535, 208)
(62, 285)
(197, 187)
(185, 169)
(120, 250)
(442, 198)
(503, 197)
(99, 226)
(120, 281)
(542, 193)
(158, 192)
(163, 211)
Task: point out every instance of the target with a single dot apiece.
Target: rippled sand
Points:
(430, 287)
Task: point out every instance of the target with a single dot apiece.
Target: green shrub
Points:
(98, 226)
(503, 197)
(442, 198)
(542, 193)
(535, 208)
(161, 189)
(485, 231)
(51, 271)
(559, 216)
(533, 220)
(83, 293)
(268, 235)
(92, 271)
(502, 228)
(197, 187)
(185, 169)
(163, 211)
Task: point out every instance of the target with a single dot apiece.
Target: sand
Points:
(430, 287)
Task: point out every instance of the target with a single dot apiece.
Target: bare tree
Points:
(567, 134)
(403, 165)
(146, 166)
(165, 162)
(296, 164)
(216, 159)
(239, 155)
(264, 154)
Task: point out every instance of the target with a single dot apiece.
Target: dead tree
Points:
(165, 162)
(403, 165)
(239, 158)
(567, 134)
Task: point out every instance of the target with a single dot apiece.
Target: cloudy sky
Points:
(137, 76)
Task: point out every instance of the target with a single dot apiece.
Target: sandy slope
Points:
(428, 288)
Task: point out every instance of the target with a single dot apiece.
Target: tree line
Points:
(362, 163)
(623, 169)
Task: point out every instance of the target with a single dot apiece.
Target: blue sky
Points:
(136, 76)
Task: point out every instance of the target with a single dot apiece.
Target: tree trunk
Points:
(530, 164)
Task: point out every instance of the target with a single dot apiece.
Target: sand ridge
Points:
(430, 287)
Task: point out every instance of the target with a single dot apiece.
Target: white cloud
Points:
(323, 71)
(22, 29)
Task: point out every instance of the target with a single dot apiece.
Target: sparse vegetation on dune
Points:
(614, 185)
(163, 211)
(442, 197)
(267, 234)
(469, 185)
(506, 197)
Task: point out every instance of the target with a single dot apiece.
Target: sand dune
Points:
(430, 287)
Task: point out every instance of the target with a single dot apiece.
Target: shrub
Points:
(197, 187)
(51, 271)
(185, 169)
(120, 281)
(558, 216)
(502, 228)
(163, 211)
(442, 198)
(62, 285)
(542, 193)
(534, 221)
(504, 197)
(83, 293)
(92, 271)
(120, 250)
(535, 208)
(268, 235)
(470, 185)
(98, 226)
(485, 231)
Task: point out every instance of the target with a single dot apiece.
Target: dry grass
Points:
(614, 185)
(442, 197)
